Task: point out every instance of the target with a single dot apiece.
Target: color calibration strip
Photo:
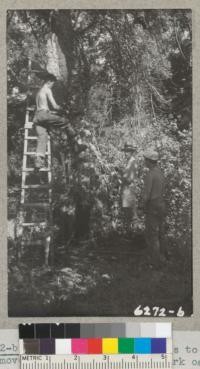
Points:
(95, 330)
(97, 346)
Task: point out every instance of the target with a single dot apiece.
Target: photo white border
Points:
(192, 323)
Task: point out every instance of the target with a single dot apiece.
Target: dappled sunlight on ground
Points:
(91, 278)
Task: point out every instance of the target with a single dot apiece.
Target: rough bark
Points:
(62, 27)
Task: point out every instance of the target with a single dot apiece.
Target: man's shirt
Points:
(44, 97)
(130, 170)
(154, 185)
(128, 193)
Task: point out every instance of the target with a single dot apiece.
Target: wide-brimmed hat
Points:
(45, 75)
(151, 155)
(128, 147)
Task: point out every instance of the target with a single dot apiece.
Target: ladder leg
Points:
(49, 167)
(47, 239)
(47, 250)
(50, 239)
(18, 249)
(24, 165)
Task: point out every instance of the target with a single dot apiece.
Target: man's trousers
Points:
(154, 228)
(44, 120)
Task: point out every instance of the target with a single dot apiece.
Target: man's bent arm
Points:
(52, 100)
(146, 192)
(147, 188)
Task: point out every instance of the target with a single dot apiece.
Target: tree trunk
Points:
(62, 27)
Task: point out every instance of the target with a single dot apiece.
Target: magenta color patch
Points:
(79, 345)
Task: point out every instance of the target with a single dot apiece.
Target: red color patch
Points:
(94, 346)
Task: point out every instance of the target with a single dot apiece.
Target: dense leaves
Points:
(124, 76)
(130, 79)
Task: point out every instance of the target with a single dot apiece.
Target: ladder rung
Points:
(34, 87)
(32, 243)
(34, 153)
(36, 186)
(31, 108)
(34, 224)
(31, 138)
(40, 170)
(28, 125)
(36, 204)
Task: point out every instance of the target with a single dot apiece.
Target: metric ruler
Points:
(161, 361)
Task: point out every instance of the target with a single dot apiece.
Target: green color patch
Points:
(126, 345)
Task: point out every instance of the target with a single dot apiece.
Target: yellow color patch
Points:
(110, 346)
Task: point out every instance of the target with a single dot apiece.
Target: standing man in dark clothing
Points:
(129, 183)
(154, 206)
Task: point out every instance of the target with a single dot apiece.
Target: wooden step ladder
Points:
(37, 230)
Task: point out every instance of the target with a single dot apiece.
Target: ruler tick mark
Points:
(139, 361)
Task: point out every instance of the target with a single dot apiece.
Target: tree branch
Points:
(156, 93)
(30, 24)
(81, 32)
(153, 110)
(10, 14)
(177, 40)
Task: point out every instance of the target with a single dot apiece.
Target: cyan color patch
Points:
(142, 346)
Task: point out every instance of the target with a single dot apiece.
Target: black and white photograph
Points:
(99, 143)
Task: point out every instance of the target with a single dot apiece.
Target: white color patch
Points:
(63, 346)
(148, 330)
(163, 330)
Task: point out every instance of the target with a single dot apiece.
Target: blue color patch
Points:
(158, 346)
(142, 346)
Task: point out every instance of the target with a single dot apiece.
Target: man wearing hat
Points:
(128, 189)
(154, 206)
(45, 118)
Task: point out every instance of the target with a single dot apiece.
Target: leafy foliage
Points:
(122, 63)
(128, 77)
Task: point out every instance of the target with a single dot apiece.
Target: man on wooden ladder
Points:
(45, 118)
